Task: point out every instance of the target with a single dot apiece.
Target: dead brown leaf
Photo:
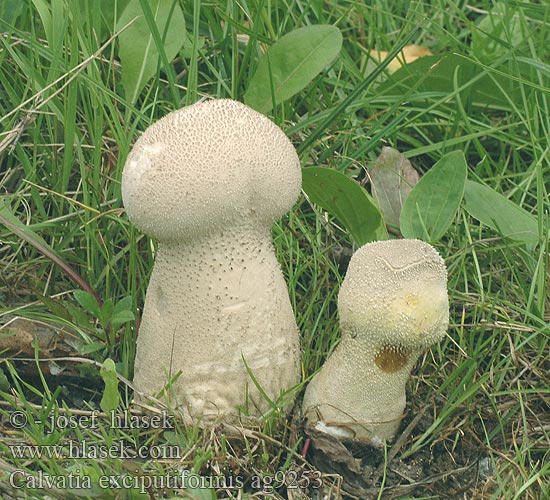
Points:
(392, 179)
(18, 336)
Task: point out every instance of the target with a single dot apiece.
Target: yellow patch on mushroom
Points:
(412, 299)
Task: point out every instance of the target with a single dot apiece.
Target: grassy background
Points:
(67, 127)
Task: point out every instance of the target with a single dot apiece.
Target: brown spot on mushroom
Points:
(391, 359)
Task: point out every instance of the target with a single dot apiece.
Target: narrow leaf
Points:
(4, 382)
(500, 214)
(345, 199)
(291, 63)
(432, 205)
(139, 55)
(45, 15)
(392, 179)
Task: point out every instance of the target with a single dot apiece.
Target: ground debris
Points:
(24, 341)
(366, 470)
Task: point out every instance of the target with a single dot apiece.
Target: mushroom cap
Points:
(395, 295)
(207, 166)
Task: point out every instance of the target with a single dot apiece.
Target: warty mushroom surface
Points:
(393, 304)
(208, 181)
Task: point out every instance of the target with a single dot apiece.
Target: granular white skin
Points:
(208, 181)
(393, 304)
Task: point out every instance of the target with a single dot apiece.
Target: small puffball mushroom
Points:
(208, 181)
(393, 304)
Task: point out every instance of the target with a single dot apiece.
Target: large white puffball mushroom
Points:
(208, 181)
(393, 304)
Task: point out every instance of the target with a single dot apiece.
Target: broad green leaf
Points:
(111, 11)
(500, 214)
(122, 312)
(110, 399)
(87, 301)
(345, 199)
(55, 306)
(120, 318)
(90, 487)
(102, 15)
(538, 66)
(106, 312)
(432, 205)
(90, 348)
(124, 304)
(93, 481)
(436, 75)
(139, 55)
(392, 179)
(497, 33)
(78, 315)
(197, 487)
(291, 63)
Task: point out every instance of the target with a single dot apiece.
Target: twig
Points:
(50, 254)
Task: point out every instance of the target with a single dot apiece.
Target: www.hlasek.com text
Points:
(95, 451)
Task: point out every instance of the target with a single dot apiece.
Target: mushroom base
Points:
(359, 394)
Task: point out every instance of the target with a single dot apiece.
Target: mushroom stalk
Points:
(212, 306)
(393, 305)
(374, 395)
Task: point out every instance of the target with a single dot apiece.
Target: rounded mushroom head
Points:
(208, 166)
(395, 290)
